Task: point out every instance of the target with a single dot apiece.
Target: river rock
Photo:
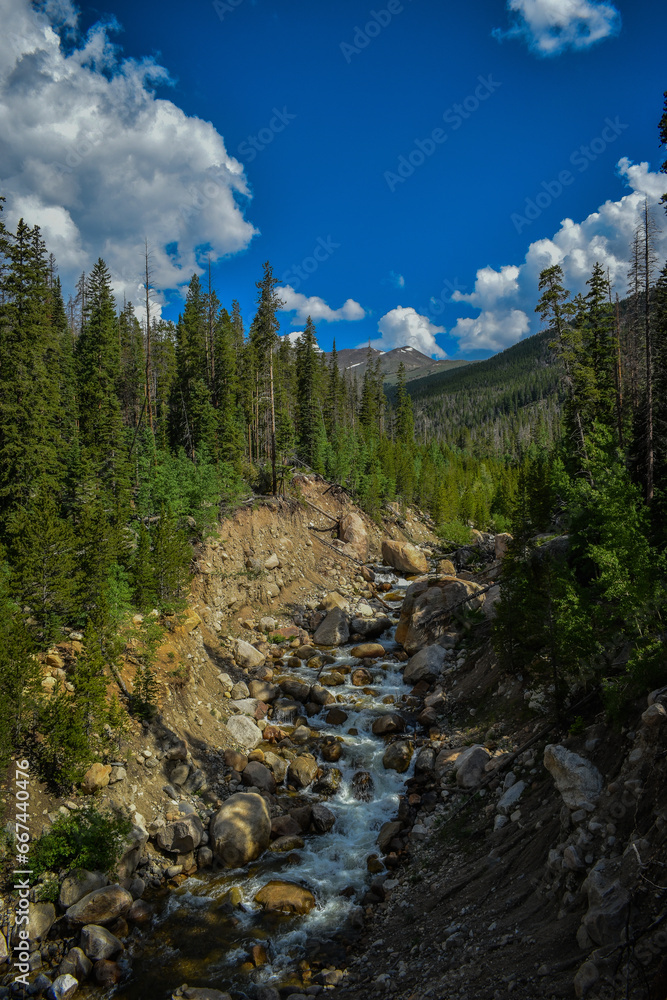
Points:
(320, 696)
(246, 655)
(101, 906)
(141, 913)
(334, 600)
(509, 800)
(388, 724)
(363, 786)
(285, 897)
(264, 691)
(404, 556)
(445, 567)
(107, 973)
(237, 761)
(62, 988)
(578, 781)
(202, 993)
(329, 781)
(427, 607)
(245, 706)
(469, 766)
(239, 691)
(334, 630)
(76, 964)
(244, 731)
(335, 717)
(397, 756)
(608, 905)
(78, 884)
(302, 770)
(95, 778)
(424, 665)
(387, 833)
(368, 651)
(41, 919)
(97, 942)
(277, 764)
(260, 776)
(241, 829)
(352, 531)
(182, 836)
(501, 544)
(322, 819)
(295, 687)
(285, 826)
(361, 677)
(331, 752)
(370, 628)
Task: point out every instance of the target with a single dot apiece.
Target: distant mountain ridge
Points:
(354, 361)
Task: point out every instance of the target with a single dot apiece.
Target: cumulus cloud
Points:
(93, 157)
(315, 307)
(491, 286)
(552, 26)
(294, 335)
(404, 327)
(506, 298)
(491, 331)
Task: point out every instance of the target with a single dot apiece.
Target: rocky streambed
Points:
(325, 793)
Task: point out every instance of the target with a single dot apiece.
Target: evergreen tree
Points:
(405, 424)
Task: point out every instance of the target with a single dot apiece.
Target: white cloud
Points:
(507, 298)
(404, 327)
(317, 308)
(491, 331)
(94, 158)
(397, 280)
(552, 26)
(490, 286)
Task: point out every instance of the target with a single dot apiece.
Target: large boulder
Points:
(502, 544)
(264, 691)
(246, 655)
(404, 556)
(95, 778)
(323, 818)
(241, 829)
(370, 628)
(133, 848)
(296, 687)
(285, 897)
(578, 781)
(352, 531)
(388, 724)
(424, 665)
(98, 942)
(368, 651)
(41, 918)
(397, 756)
(180, 837)
(470, 765)
(608, 905)
(101, 907)
(78, 884)
(302, 771)
(260, 776)
(334, 600)
(427, 609)
(334, 630)
(62, 988)
(76, 964)
(244, 731)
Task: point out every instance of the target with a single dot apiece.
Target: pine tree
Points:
(264, 337)
(308, 392)
(405, 424)
(193, 414)
(97, 353)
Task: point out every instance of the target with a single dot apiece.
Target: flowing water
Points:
(200, 937)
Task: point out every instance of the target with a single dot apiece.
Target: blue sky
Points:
(339, 96)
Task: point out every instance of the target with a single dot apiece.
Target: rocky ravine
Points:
(520, 860)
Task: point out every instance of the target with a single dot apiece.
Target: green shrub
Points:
(87, 839)
(454, 531)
